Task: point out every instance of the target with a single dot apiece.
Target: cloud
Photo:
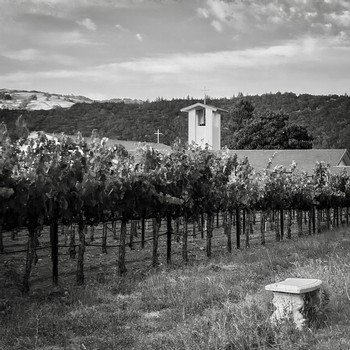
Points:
(121, 28)
(220, 9)
(71, 38)
(88, 24)
(313, 63)
(279, 19)
(342, 19)
(203, 13)
(21, 55)
(217, 25)
(38, 56)
(139, 37)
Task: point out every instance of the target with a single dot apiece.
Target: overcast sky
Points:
(173, 48)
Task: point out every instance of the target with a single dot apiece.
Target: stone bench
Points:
(294, 298)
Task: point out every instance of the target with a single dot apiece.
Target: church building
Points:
(204, 128)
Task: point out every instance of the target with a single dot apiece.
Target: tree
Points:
(271, 130)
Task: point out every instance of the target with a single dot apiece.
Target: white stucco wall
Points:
(210, 133)
(216, 138)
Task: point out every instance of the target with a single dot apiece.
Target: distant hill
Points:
(327, 118)
(37, 100)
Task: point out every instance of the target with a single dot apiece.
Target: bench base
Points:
(294, 306)
(296, 299)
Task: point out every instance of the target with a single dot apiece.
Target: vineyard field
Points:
(70, 183)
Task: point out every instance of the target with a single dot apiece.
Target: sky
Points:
(147, 49)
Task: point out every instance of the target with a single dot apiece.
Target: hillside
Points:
(37, 100)
(325, 117)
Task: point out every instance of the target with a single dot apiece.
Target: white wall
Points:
(210, 133)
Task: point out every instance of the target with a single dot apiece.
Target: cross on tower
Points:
(158, 134)
(205, 94)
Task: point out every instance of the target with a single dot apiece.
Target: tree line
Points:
(319, 121)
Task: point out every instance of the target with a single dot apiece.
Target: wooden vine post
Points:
(194, 228)
(185, 240)
(177, 227)
(104, 238)
(156, 226)
(54, 251)
(133, 233)
(122, 244)
(282, 223)
(142, 233)
(72, 251)
(248, 216)
(92, 233)
(319, 219)
(328, 219)
(300, 222)
(238, 229)
(228, 230)
(1, 240)
(168, 240)
(310, 221)
(277, 226)
(209, 233)
(262, 228)
(243, 221)
(81, 250)
(201, 227)
(114, 229)
(313, 215)
(32, 232)
(337, 216)
(289, 224)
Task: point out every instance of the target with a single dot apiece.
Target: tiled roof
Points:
(305, 158)
(131, 146)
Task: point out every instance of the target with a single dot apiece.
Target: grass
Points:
(218, 304)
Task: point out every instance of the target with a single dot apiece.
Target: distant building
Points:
(204, 125)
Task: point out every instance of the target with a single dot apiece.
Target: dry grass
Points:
(220, 304)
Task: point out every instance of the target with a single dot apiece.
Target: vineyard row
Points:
(48, 183)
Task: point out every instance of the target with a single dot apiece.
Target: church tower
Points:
(204, 125)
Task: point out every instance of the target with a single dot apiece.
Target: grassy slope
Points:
(220, 304)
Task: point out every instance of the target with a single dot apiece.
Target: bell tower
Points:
(204, 125)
